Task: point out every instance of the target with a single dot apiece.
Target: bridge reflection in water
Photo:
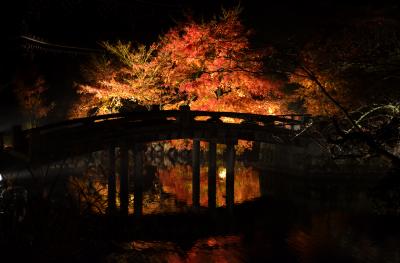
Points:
(163, 188)
(138, 177)
(129, 132)
(176, 180)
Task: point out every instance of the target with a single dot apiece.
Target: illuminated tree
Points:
(32, 101)
(137, 80)
(209, 66)
(213, 64)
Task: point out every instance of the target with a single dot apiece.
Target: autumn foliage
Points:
(357, 66)
(177, 180)
(208, 66)
(31, 98)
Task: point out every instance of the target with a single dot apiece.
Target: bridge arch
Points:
(129, 131)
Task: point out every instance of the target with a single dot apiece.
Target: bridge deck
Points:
(79, 136)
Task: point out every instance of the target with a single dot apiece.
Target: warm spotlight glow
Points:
(222, 173)
(209, 66)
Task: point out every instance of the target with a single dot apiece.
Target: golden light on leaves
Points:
(209, 66)
(175, 185)
(222, 173)
(178, 181)
(31, 98)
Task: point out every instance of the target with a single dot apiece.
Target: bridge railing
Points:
(183, 117)
(246, 118)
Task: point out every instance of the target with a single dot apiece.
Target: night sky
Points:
(84, 23)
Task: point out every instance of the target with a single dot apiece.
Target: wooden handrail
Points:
(156, 115)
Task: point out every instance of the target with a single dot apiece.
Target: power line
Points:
(58, 47)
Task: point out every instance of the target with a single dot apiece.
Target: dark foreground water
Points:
(277, 218)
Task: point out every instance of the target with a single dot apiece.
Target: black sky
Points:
(86, 22)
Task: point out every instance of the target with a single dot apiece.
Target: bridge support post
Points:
(212, 174)
(123, 180)
(230, 176)
(111, 189)
(196, 173)
(138, 179)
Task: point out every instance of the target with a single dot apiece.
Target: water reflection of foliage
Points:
(332, 237)
(169, 190)
(213, 249)
(177, 180)
(90, 190)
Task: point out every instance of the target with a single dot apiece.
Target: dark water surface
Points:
(277, 217)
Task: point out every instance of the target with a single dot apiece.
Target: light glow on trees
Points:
(209, 66)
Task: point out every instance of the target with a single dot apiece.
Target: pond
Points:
(277, 217)
(167, 185)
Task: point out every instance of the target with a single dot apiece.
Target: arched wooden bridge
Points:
(128, 131)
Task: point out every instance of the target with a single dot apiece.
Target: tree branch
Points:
(359, 133)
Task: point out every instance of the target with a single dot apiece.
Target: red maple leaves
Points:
(208, 66)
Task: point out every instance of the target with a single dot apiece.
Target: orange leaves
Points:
(216, 67)
(355, 65)
(209, 66)
(32, 101)
(177, 180)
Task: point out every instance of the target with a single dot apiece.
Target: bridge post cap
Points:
(155, 107)
(215, 119)
(248, 121)
(184, 107)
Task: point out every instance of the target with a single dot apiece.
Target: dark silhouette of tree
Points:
(352, 77)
